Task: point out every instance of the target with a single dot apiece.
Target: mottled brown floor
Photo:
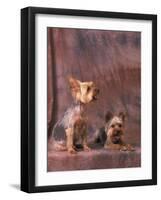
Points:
(97, 158)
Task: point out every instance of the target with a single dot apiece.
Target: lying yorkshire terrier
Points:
(111, 135)
(75, 120)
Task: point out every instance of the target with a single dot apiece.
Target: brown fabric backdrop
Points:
(109, 58)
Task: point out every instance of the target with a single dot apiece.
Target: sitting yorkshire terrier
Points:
(111, 135)
(74, 120)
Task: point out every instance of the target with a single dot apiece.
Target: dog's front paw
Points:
(72, 151)
(106, 146)
(124, 148)
(130, 148)
(86, 148)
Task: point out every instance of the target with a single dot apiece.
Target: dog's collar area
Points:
(80, 105)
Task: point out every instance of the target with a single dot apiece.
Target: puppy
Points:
(75, 120)
(111, 135)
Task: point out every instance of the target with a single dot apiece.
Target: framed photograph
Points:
(88, 99)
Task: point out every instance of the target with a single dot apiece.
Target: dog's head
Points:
(114, 126)
(83, 92)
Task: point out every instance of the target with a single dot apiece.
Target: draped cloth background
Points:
(112, 59)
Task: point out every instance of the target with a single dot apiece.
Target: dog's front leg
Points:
(70, 138)
(107, 143)
(125, 147)
(84, 142)
(128, 147)
(110, 145)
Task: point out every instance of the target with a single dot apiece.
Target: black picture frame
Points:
(28, 98)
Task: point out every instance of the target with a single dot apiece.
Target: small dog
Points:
(75, 120)
(111, 135)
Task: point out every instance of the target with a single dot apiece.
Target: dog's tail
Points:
(57, 145)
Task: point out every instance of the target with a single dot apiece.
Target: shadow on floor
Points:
(15, 186)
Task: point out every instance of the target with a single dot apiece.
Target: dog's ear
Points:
(122, 115)
(74, 85)
(108, 116)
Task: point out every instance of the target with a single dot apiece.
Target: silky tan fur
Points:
(111, 136)
(76, 128)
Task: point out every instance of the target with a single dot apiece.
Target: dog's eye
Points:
(112, 125)
(120, 125)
